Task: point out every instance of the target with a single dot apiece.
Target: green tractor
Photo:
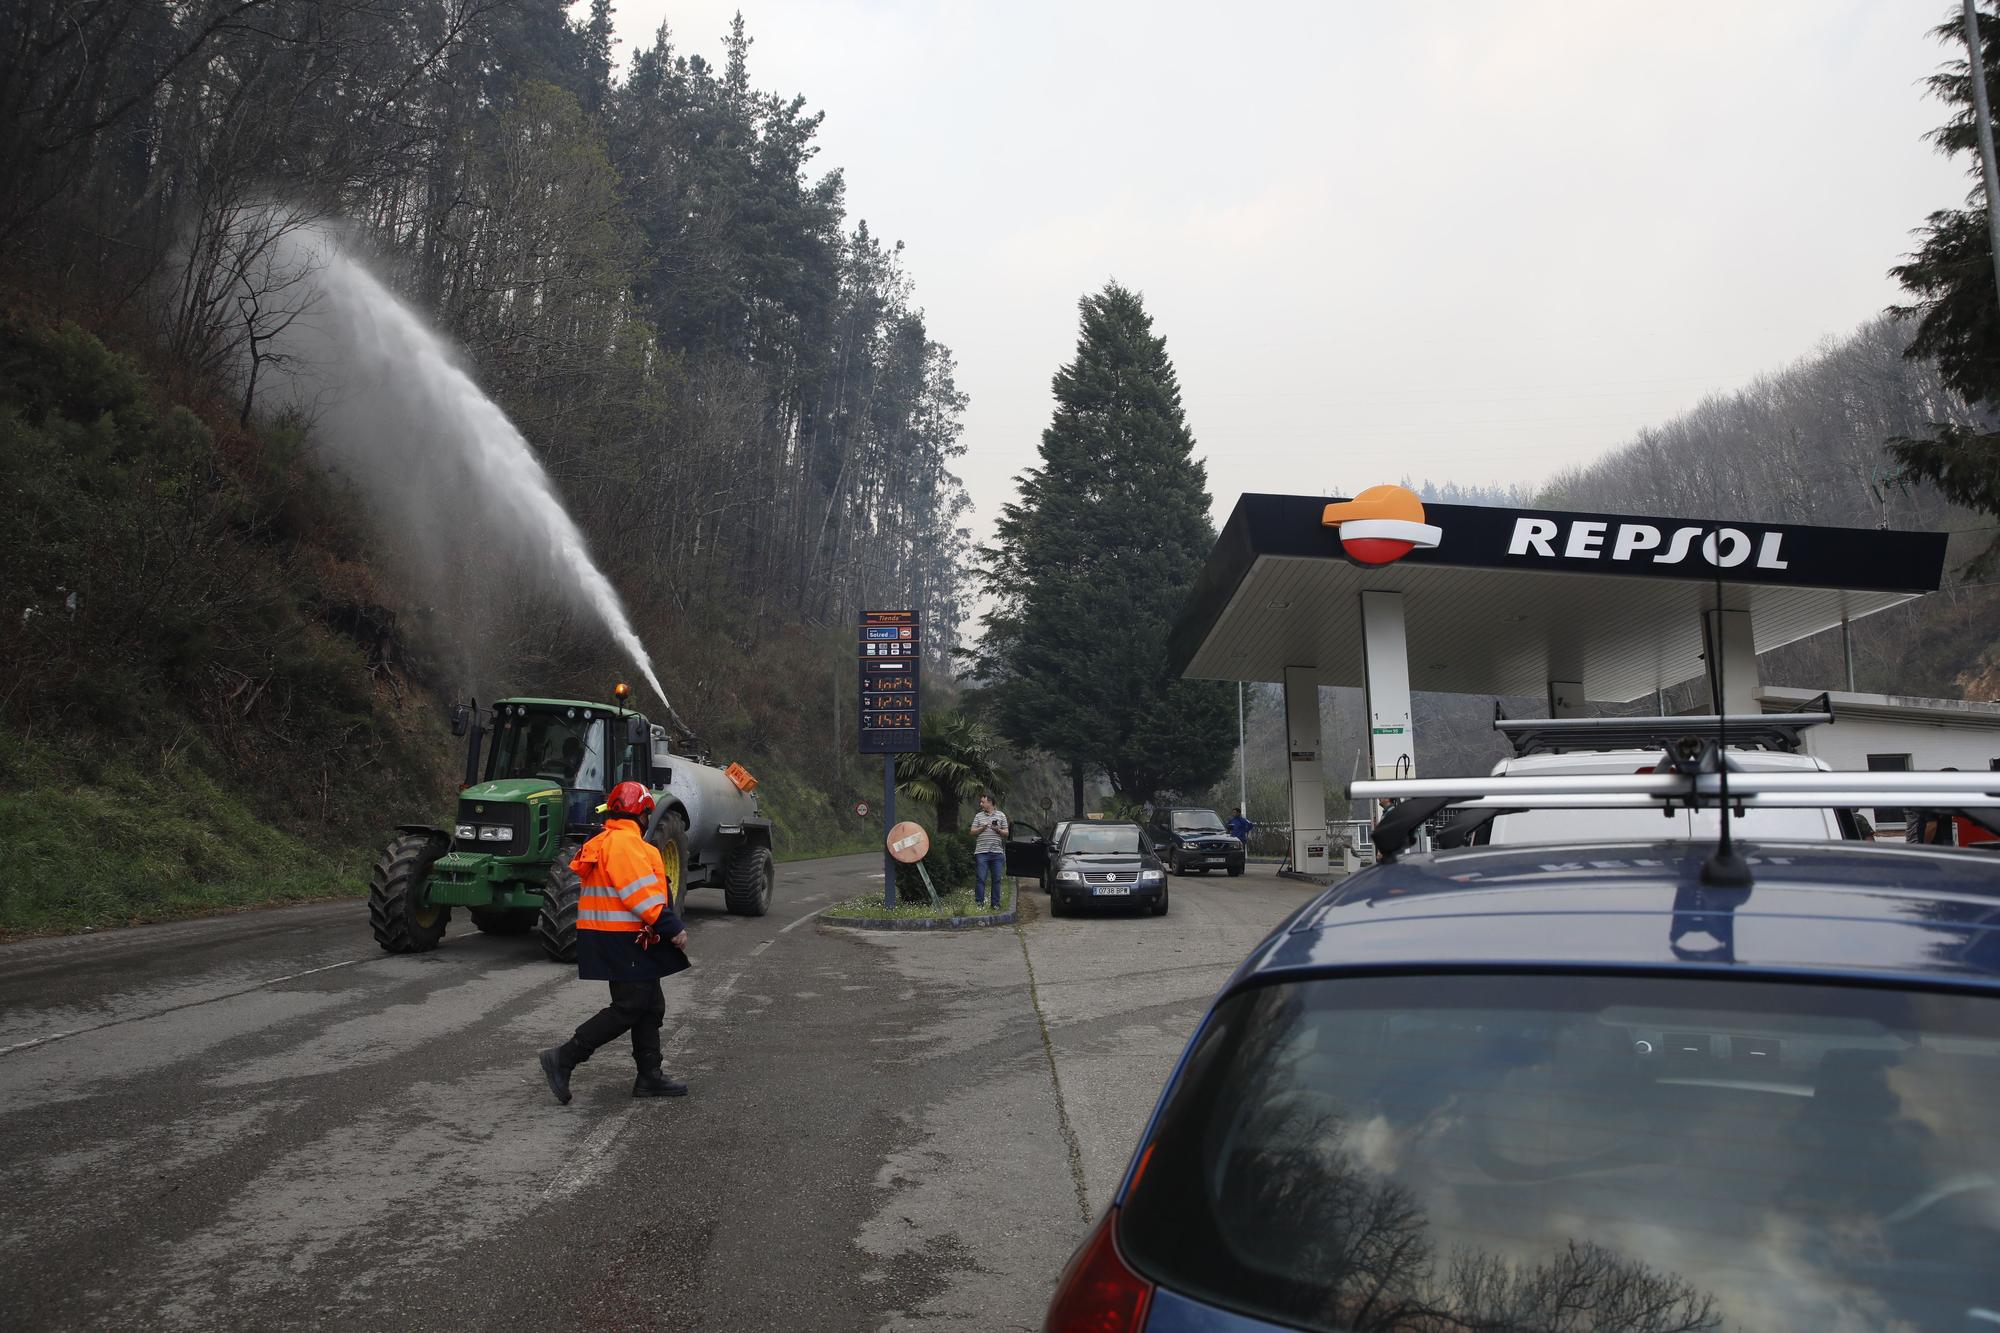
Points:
(531, 797)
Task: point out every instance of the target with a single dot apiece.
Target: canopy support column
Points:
(1385, 656)
(1731, 663)
(1308, 774)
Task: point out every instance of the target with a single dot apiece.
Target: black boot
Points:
(652, 1083)
(556, 1066)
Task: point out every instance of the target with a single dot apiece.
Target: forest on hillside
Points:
(728, 379)
(663, 289)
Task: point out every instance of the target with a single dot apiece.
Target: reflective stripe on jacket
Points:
(624, 883)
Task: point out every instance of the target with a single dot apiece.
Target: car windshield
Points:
(1196, 821)
(1629, 1153)
(1107, 839)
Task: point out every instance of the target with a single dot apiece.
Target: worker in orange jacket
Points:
(627, 934)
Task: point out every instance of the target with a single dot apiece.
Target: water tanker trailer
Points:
(536, 771)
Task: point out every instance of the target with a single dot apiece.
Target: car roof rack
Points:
(1558, 735)
(1689, 777)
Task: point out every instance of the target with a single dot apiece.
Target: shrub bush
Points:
(950, 864)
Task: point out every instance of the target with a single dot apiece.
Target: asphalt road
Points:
(263, 1121)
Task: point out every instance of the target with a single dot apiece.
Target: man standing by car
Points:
(1239, 827)
(1929, 826)
(625, 907)
(989, 850)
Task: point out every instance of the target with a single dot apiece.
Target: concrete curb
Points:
(921, 922)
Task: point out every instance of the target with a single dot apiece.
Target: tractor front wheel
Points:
(555, 926)
(504, 920)
(748, 882)
(402, 920)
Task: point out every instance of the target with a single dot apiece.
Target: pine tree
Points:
(1957, 307)
(1091, 568)
(598, 42)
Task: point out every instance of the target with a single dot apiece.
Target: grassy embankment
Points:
(129, 846)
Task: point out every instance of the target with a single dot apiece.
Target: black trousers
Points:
(637, 1007)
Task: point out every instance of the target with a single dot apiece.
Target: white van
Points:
(1514, 827)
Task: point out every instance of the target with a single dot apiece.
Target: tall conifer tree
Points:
(1958, 314)
(1091, 568)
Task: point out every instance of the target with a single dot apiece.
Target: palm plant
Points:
(959, 759)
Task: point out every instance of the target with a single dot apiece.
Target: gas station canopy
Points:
(1384, 592)
(1509, 600)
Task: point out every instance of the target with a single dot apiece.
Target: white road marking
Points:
(588, 1161)
(802, 920)
(38, 1041)
(577, 1172)
(174, 1008)
(760, 948)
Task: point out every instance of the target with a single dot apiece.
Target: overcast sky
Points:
(1459, 241)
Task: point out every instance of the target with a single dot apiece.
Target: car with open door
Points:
(1092, 863)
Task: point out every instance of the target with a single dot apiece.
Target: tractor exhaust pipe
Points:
(465, 722)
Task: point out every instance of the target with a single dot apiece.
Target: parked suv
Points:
(1563, 747)
(1193, 840)
(1551, 825)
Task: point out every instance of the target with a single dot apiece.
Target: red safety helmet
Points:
(630, 800)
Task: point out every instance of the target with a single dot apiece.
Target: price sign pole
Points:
(891, 660)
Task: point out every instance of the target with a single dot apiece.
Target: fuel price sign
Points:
(891, 661)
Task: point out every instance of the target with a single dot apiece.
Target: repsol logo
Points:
(1594, 539)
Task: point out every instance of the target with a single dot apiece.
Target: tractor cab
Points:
(584, 748)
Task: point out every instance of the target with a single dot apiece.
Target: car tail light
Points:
(1098, 1293)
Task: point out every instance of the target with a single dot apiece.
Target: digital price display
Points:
(891, 661)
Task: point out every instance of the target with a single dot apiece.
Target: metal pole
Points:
(1984, 117)
(1847, 650)
(1242, 765)
(888, 822)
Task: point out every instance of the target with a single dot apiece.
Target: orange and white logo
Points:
(1382, 524)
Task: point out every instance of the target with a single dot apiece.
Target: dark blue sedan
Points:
(1560, 1088)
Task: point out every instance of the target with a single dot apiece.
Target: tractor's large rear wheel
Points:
(749, 880)
(555, 927)
(398, 913)
(504, 920)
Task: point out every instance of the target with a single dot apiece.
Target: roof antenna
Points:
(1724, 868)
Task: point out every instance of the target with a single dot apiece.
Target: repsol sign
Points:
(1607, 539)
(1648, 546)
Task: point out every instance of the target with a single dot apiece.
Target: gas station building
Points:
(1388, 594)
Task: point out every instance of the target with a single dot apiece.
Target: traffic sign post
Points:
(891, 651)
(909, 844)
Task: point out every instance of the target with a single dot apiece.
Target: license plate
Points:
(1111, 889)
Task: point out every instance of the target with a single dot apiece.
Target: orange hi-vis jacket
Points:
(624, 883)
